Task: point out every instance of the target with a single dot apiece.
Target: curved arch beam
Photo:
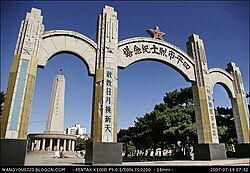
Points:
(222, 77)
(136, 49)
(58, 41)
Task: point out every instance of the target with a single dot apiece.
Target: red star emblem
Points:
(156, 33)
(61, 70)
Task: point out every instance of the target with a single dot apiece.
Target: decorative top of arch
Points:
(142, 48)
(59, 41)
(220, 70)
(222, 77)
(69, 33)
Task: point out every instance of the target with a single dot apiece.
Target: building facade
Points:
(78, 130)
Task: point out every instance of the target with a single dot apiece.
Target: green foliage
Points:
(168, 123)
(226, 127)
(178, 98)
(171, 125)
(80, 144)
(2, 98)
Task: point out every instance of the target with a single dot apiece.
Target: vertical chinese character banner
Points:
(108, 110)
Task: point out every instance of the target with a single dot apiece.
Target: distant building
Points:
(71, 130)
(78, 130)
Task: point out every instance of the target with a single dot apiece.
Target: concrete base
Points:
(242, 150)
(209, 151)
(13, 152)
(103, 153)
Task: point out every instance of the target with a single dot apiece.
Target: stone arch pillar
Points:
(16, 111)
(239, 105)
(203, 105)
(104, 114)
(20, 89)
(105, 82)
(240, 112)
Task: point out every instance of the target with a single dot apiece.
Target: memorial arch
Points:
(103, 58)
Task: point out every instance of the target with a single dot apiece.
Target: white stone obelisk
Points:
(55, 122)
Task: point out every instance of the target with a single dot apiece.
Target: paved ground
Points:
(33, 159)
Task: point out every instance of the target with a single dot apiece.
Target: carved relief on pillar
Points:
(31, 30)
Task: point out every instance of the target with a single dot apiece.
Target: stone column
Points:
(20, 89)
(58, 145)
(69, 147)
(104, 114)
(43, 145)
(64, 145)
(202, 93)
(240, 112)
(38, 145)
(104, 121)
(239, 105)
(73, 145)
(203, 105)
(51, 145)
(32, 145)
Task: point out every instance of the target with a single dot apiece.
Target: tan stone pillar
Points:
(239, 105)
(104, 114)
(16, 111)
(202, 93)
(208, 147)
(51, 145)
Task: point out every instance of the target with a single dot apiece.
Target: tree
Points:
(172, 125)
(80, 144)
(183, 97)
(181, 117)
(180, 130)
(169, 123)
(2, 98)
(248, 97)
(225, 123)
(124, 137)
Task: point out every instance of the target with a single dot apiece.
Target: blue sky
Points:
(223, 26)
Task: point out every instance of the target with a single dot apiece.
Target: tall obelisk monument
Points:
(55, 122)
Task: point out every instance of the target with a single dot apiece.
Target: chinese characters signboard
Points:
(212, 116)
(131, 51)
(156, 49)
(108, 111)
